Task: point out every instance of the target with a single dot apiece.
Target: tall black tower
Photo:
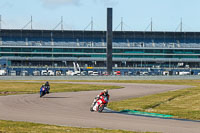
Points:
(109, 36)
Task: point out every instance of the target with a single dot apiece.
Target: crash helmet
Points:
(105, 91)
(47, 83)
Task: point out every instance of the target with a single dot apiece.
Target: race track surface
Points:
(72, 109)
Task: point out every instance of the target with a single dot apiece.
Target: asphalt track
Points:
(72, 109)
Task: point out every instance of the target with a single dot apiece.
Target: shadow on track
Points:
(107, 110)
(55, 97)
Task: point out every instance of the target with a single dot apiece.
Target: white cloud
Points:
(58, 3)
(108, 3)
(6, 5)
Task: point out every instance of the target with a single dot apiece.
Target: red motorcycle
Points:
(99, 103)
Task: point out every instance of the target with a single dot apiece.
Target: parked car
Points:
(3, 72)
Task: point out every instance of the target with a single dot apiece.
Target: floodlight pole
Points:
(109, 36)
(0, 22)
(151, 25)
(31, 23)
(92, 23)
(181, 26)
(61, 22)
(121, 24)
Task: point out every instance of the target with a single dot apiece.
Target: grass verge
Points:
(183, 103)
(28, 127)
(12, 87)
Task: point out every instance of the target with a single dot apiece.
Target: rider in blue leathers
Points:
(44, 89)
(47, 87)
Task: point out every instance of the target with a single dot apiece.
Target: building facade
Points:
(134, 49)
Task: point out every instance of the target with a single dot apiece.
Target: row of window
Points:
(85, 50)
(97, 56)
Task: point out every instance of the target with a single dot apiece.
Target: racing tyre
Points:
(101, 107)
(91, 109)
(42, 94)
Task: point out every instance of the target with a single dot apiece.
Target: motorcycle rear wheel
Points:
(91, 109)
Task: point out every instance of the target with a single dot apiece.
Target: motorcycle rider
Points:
(47, 87)
(104, 93)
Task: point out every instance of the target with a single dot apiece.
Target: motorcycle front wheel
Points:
(101, 107)
(42, 94)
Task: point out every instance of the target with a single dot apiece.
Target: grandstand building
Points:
(131, 49)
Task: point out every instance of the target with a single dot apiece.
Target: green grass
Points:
(12, 87)
(28, 127)
(183, 103)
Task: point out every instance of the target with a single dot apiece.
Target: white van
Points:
(184, 73)
(13, 73)
(36, 73)
(50, 72)
(24, 73)
(44, 73)
(166, 73)
(2, 72)
(47, 73)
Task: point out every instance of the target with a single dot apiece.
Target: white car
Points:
(95, 74)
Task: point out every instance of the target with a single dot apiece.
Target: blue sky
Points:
(137, 14)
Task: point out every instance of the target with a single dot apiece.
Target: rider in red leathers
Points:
(103, 100)
(104, 93)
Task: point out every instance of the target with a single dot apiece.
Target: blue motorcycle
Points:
(43, 91)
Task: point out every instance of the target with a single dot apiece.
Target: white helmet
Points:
(105, 91)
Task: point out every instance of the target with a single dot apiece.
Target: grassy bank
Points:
(27, 127)
(181, 103)
(12, 87)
